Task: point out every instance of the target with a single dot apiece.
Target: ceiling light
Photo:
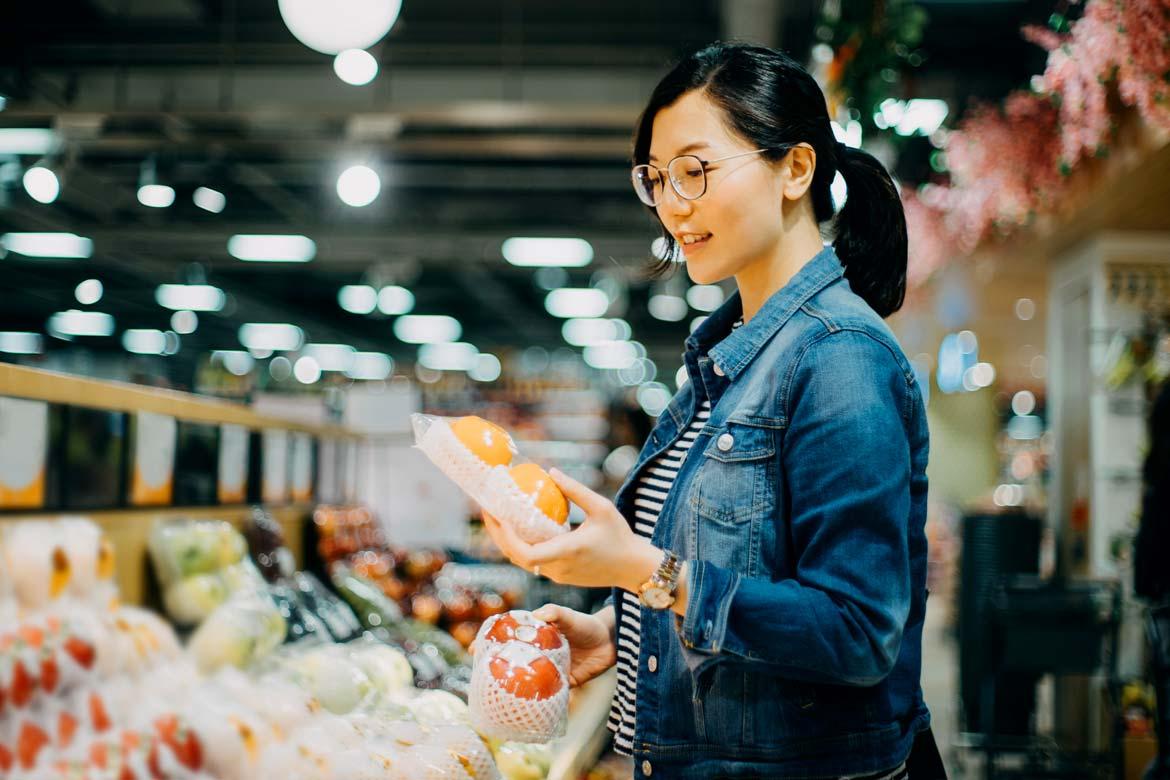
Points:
(194, 297)
(427, 328)
(236, 361)
(88, 292)
(564, 252)
(41, 184)
(26, 140)
(339, 25)
(355, 66)
(331, 357)
(54, 245)
(277, 336)
(358, 298)
(653, 397)
(209, 199)
(453, 356)
(669, 308)
(272, 248)
(306, 370)
(705, 297)
(370, 365)
(486, 369)
(571, 302)
(144, 341)
(16, 342)
(156, 196)
(587, 332)
(184, 321)
(395, 300)
(66, 324)
(358, 186)
(611, 354)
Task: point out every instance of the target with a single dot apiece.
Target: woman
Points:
(767, 551)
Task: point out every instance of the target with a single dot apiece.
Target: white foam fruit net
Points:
(519, 692)
(492, 487)
(520, 625)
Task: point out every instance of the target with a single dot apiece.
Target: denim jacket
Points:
(800, 511)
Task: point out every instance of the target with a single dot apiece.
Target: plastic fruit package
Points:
(519, 689)
(481, 458)
(182, 548)
(521, 626)
(44, 561)
(247, 627)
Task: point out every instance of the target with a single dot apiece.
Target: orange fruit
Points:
(488, 441)
(536, 482)
(537, 680)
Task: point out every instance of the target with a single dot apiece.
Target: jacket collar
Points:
(733, 350)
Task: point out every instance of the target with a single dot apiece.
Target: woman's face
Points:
(738, 218)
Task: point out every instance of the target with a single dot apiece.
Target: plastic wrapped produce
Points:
(249, 626)
(387, 667)
(521, 626)
(518, 693)
(342, 623)
(331, 675)
(519, 761)
(267, 546)
(302, 625)
(480, 457)
(183, 548)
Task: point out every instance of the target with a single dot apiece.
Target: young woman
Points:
(767, 551)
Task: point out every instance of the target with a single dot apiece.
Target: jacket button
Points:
(725, 442)
(718, 371)
(647, 769)
(652, 664)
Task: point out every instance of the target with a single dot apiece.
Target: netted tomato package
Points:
(481, 458)
(520, 681)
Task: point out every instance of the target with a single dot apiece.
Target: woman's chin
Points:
(703, 272)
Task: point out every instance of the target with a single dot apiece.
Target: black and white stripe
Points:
(649, 496)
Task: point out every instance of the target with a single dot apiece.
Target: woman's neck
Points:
(760, 280)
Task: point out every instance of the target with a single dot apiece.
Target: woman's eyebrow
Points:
(688, 148)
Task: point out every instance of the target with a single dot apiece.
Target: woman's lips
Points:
(695, 246)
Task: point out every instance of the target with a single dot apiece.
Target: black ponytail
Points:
(773, 103)
(870, 232)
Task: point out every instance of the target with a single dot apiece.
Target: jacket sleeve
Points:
(846, 463)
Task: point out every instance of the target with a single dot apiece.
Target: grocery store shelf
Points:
(129, 531)
(34, 383)
(585, 738)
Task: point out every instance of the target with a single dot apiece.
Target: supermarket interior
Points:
(299, 300)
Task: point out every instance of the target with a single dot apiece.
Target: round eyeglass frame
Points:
(663, 174)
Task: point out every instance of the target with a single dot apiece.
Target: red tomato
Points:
(181, 740)
(537, 633)
(81, 651)
(31, 741)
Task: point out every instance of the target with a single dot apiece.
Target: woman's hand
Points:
(602, 552)
(591, 647)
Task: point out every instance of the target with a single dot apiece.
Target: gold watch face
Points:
(657, 597)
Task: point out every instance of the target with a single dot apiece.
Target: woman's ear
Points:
(799, 165)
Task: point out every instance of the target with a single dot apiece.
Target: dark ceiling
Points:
(487, 120)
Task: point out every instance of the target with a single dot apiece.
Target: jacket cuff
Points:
(710, 590)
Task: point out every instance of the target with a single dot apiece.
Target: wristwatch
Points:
(658, 591)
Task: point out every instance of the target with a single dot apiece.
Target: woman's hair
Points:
(773, 103)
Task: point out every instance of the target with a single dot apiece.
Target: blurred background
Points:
(241, 241)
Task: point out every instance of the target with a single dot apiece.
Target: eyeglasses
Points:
(687, 174)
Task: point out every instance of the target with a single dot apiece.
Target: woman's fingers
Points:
(579, 494)
(516, 549)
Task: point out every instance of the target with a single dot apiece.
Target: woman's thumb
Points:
(549, 613)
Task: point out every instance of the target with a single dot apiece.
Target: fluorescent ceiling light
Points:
(668, 308)
(55, 245)
(569, 302)
(272, 248)
(184, 321)
(358, 298)
(16, 342)
(209, 199)
(26, 140)
(331, 357)
(371, 366)
(306, 370)
(156, 196)
(236, 361)
(192, 297)
(454, 356)
(705, 297)
(587, 332)
(65, 324)
(144, 341)
(486, 369)
(564, 252)
(394, 300)
(427, 328)
(276, 336)
(611, 354)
